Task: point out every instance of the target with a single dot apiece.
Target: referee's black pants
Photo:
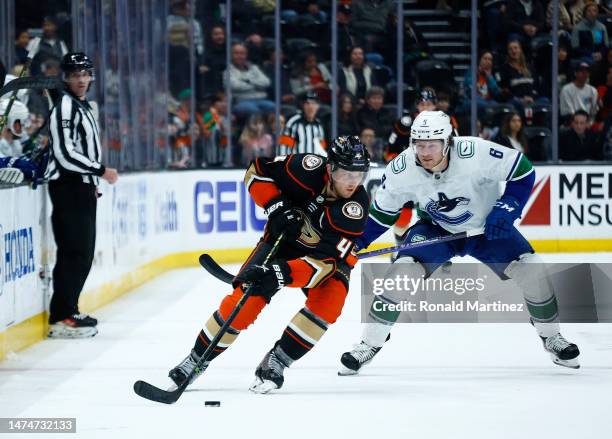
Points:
(74, 225)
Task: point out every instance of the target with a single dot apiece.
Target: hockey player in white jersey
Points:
(455, 183)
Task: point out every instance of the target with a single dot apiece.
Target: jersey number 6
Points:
(496, 153)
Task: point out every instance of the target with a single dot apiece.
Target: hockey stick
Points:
(217, 271)
(32, 82)
(410, 245)
(26, 65)
(153, 393)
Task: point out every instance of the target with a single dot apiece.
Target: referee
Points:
(74, 172)
(303, 132)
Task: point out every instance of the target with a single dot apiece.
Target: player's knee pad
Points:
(327, 300)
(530, 274)
(528, 271)
(405, 259)
(403, 266)
(387, 295)
(328, 314)
(249, 312)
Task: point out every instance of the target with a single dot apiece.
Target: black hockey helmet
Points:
(308, 96)
(349, 153)
(76, 62)
(427, 94)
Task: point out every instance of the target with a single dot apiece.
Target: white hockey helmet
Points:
(432, 125)
(19, 112)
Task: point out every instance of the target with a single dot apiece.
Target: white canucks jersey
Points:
(457, 199)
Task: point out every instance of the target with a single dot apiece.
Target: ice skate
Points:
(75, 326)
(562, 352)
(269, 374)
(180, 373)
(354, 360)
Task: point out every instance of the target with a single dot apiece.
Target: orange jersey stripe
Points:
(287, 141)
(390, 156)
(351, 259)
(301, 272)
(404, 218)
(263, 191)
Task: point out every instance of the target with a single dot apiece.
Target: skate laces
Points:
(189, 363)
(557, 343)
(363, 352)
(275, 364)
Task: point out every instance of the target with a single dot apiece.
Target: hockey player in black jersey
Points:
(321, 207)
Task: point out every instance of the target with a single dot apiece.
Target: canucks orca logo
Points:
(438, 209)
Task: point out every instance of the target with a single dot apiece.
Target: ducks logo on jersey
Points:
(311, 161)
(352, 210)
(438, 209)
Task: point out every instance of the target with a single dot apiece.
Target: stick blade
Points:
(210, 265)
(152, 393)
(32, 82)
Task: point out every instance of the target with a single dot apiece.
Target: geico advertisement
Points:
(223, 205)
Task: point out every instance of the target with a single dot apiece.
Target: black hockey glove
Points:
(266, 280)
(282, 217)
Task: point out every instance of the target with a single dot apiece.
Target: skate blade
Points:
(572, 364)
(73, 333)
(345, 371)
(262, 387)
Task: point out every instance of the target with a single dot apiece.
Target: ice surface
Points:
(429, 381)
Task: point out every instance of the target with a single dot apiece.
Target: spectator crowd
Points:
(513, 78)
(514, 86)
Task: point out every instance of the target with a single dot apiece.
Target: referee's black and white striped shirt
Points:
(301, 136)
(75, 142)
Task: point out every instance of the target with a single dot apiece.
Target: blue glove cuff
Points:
(509, 205)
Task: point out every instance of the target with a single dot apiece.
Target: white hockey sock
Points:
(546, 329)
(375, 334)
(530, 274)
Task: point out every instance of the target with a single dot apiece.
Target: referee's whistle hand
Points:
(111, 175)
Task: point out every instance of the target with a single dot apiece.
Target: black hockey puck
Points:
(212, 403)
